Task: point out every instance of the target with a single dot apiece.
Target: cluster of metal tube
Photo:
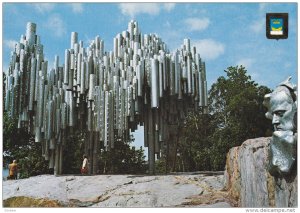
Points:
(106, 93)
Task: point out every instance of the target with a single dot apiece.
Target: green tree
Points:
(195, 143)
(20, 145)
(236, 102)
(73, 152)
(236, 113)
(123, 159)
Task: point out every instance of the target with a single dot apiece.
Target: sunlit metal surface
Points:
(106, 94)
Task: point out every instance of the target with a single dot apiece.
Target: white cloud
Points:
(77, 7)
(287, 65)
(43, 7)
(56, 25)
(169, 6)
(262, 6)
(209, 49)
(246, 62)
(10, 44)
(196, 24)
(190, 9)
(258, 26)
(133, 9)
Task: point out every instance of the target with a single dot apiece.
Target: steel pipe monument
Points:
(106, 93)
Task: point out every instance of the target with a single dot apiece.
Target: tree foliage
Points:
(73, 152)
(236, 101)
(19, 145)
(123, 159)
(236, 113)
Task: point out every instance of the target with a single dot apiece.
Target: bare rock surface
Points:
(178, 190)
(248, 181)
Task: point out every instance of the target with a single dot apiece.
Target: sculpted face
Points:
(282, 111)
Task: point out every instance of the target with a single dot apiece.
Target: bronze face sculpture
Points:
(282, 110)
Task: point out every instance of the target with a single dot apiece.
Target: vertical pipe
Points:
(172, 77)
(189, 75)
(32, 83)
(154, 82)
(82, 78)
(187, 45)
(74, 39)
(71, 109)
(67, 67)
(91, 93)
(79, 66)
(56, 164)
(151, 148)
(106, 119)
(116, 46)
(177, 73)
(56, 65)
(30, 33)
(161, 78)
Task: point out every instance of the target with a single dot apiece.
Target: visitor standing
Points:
(13, 170)
(84, 168)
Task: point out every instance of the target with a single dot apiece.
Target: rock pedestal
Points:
(248, 181)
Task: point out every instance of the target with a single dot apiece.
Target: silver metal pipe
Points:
(46, 91)
(64, 115)
(38, 135)
(74, 39)
(205, 93)
(58, 123)
(161, 77)
(139, 82)
(84, 66)
(172, 77)
(22, 60)
(32, 83)
(154, 86)
(79, 67)
(116, 47)
(70, 81)
(66, 67)
(49, 120)
(71, 114)
(40, 101)
(187, 45)
(72, 61)
(56, 65)
(30, 33)
(91, 87)
(189, 74)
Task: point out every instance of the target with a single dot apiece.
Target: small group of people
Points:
(13, 168)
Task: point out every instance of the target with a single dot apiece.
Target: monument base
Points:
(248, 181)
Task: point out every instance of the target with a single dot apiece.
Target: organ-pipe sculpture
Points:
(107, 93)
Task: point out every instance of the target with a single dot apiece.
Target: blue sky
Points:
(225, 34)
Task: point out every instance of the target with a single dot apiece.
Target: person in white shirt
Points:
(84, 168)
